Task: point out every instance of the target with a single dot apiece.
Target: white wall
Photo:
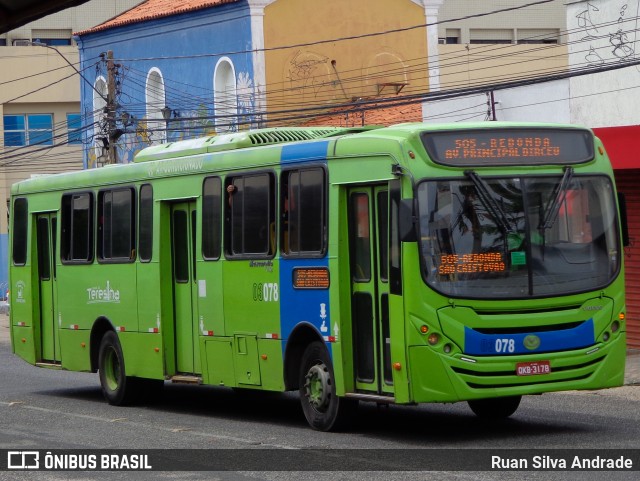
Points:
(605, 33)
(545, 102)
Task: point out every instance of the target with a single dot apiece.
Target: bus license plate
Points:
(533, 368)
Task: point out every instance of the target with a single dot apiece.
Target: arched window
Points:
(225, 96)
(156, 101)
(99, 116)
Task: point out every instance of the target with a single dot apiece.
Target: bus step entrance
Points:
(371, 398)
(186, 379)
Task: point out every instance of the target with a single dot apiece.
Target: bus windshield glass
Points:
(487, 237)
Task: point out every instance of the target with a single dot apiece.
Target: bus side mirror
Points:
(406, 221)
(622, 205)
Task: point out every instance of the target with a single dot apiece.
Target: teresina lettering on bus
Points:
(175, 167)
(100, 294)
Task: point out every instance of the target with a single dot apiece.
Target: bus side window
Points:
(303, 212)
(77, 228)
(116, 225)
(250, 215)
(20, 223)
(211, 217)
(145, 223)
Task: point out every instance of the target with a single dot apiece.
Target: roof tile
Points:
(375, 114)
(152, 9)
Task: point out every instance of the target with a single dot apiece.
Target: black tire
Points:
(495, 408)
(118, 389)
(324, 410)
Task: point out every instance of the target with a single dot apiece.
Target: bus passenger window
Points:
(20, 223)
(361, 253)
(211, 217)
(116, 231)
(77, 228)
(303, 212)
(145, 227)
(251, 213)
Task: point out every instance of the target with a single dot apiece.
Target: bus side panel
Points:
(148, 287)
(142, 354)
(210, 299)
(23, 345)
(271, 364)
(75, 349)
(252, 311)
(218, 369)
(88, 292)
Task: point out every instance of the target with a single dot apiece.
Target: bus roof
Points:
(241, 140)
(148, 162)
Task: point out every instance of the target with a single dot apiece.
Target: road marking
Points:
(148, 426)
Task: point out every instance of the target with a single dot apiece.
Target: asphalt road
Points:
(43, 409)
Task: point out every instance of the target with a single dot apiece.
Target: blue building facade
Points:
(172, 77)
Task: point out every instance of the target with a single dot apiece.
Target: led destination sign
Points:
(509, 146)
(470, 263)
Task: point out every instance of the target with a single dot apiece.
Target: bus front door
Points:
(183, 241)
(368, 242)
(46, 245)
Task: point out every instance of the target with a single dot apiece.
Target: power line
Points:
(271, 90)
(341, 39)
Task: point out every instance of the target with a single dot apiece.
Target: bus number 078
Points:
(505, 345)
(267, 292)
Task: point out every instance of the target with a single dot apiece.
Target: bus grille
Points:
(287, 135)
(564, 370)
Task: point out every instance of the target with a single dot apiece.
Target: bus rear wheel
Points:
(495, 408)
(323, 409)
(117, 388)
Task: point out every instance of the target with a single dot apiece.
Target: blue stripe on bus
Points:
(307, 152)
(303, 305)
(547, 341)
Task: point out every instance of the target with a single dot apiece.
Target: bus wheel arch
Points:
(302, 336)
(99, 329)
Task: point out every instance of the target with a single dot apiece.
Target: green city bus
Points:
(410, 264)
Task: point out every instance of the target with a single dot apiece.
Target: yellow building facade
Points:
(330, 53)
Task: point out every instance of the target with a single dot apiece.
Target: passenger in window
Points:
(231, 189)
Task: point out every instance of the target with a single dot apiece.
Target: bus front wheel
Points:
(117, 388)
(495, 408)
(324, 410)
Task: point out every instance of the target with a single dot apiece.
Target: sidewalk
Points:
(632, 370)
(631, 374)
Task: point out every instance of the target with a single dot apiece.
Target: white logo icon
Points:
(23, 460)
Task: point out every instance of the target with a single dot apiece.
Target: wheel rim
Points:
(112, 369)
(318, 387)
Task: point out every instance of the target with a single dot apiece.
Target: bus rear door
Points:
(45, 241)
(368, 243)
(183, 241)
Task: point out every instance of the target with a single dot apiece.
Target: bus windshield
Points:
(489, 237)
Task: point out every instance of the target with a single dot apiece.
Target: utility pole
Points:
(111, 108)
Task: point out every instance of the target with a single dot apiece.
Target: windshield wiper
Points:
(559, 195)
(496, 211)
